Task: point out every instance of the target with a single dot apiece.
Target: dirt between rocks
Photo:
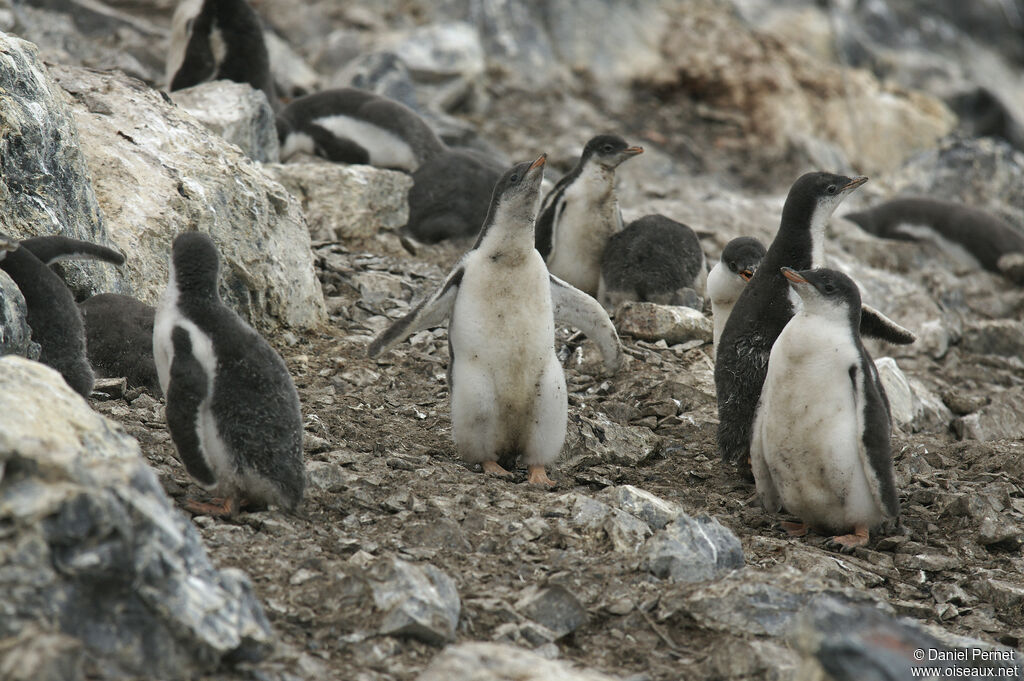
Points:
(386, 481)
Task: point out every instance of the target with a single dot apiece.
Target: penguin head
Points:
(742, 256)
(609, 151)
(814, 196)
(517, 193)
(195, 264)
(827, 293)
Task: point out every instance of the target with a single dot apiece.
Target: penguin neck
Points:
(800, 243)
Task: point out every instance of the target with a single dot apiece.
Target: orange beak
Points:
(539, 162)
(746, 275)
(633, 151)
(855, 182)
(792, 275)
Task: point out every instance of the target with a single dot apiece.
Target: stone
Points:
(626, 532)
(912, 406)
(844, 642)
(47, 187)
(1000, 419)
(96, 552)
(1005, 595)
(653, 510)
(346, 202)
(419, 601)
(15, 336)
(671, 323)
(237, 112)
(930, 562)
(594, 440)
(33, 655)
(1003, 337)
(157, 171)
(501, 662)
(998, 530)
(692, 550)
(553, 607)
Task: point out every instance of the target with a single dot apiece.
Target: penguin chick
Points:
(654, 259)
(820, 445)
(581, 213)
(119, 339)
(232, 408)
(508, 395)
(739, 261)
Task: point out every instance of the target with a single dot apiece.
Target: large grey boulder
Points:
(500, 662)
(237, 112)
(158, 172)
(93, 549)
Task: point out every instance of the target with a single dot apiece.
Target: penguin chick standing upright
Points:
(232, 409)
(218, 40)
(581, 213)
(820, 444)
(739, 261)
(654, 259)
(508, 395)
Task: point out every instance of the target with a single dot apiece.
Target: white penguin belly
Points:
(386, 149)
(723, 288)
(808, 428)
(578, 246)
(507, 383)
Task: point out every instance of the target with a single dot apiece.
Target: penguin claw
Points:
(538, 476)
(494, 468)
(794, 529)
(848, 542)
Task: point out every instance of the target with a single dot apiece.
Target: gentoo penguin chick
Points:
(232, 409)
(218, 40)
(654, 259)
(581, 213)
(119, 339)
(348, 125)
(986, 237)
(766, 305)
(450, 195)
(820, 445)
(53, 316)
(739, 261)
(508, 395)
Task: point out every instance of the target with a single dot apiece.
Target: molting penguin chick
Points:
(348, 125)
(218, 40)
(580, 214)
(53, 315)
(508, 396)
(820, 444)
(991, 241)
(119, 338)
(654, 259)
(232, 409)
(740, 259)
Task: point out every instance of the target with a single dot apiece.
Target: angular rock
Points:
(650, 508)
(346, 202)
(36, 656)
(626, 532)
(673, 323)
(1004, 337)
(46, 187)
(911, 404)
(95, 551)
(15, 336)
(500, 662)
(593, 440)
(1000, 419)
(237, 112)
(846, 641)
(692, 550)
(157, 172)
(553, 607)
(1005, 595)
(417, 600)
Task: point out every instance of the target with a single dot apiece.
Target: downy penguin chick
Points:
(654, 259)
(820, 444)
(581, 213)
(508, 395)
(739, 261)
(232, 408)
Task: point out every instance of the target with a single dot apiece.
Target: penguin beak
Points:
(539, 162)
(854, 183)
(633, 151)
(793, 275)
(746, 274)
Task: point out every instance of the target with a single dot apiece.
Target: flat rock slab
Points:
(499, 662)
(671, 323)
(692, 550)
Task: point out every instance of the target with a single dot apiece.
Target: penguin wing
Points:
(573, 306)
(766, 490)
(876, 325)
(186, 391)
(50, 249)
(872, 408)
(431, 312)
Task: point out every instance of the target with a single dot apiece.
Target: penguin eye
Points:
(607, 148)
(514, 179)
(732, 266)
(831, 189)
(828, 288)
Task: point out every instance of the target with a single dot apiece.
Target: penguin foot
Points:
(848, 542)
(494, 468)
(538, 476)
(794, 529)
(215, 508)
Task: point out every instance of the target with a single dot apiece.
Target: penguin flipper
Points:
(187, 390)
(431, 312)
(876, 325)
(766, 490)
(544, 231)
(572, 306)
(50, 249)
(337, 149)
(872, 407)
